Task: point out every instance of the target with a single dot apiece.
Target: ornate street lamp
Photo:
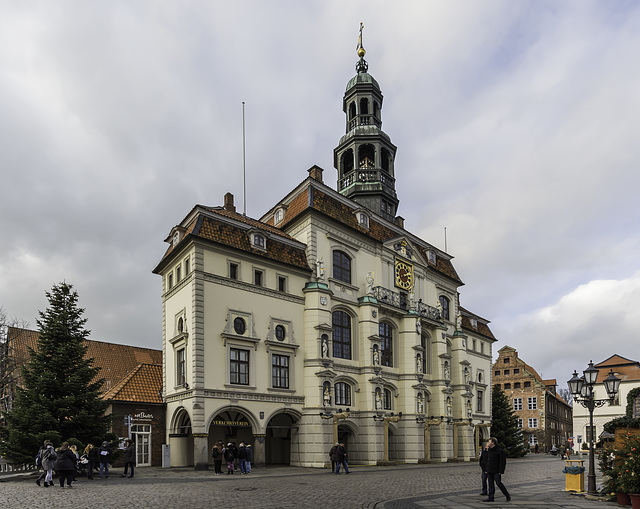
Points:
(583, 393)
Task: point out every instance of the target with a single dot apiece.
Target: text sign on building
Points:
(230, 423)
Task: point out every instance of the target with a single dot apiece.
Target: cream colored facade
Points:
(345, 328)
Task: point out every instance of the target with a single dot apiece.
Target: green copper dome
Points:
(362, 78)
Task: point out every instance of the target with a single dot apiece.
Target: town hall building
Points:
(323, 320)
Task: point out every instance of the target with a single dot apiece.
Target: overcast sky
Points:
(516, 124)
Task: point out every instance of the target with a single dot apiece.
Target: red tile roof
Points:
(142, 385)
(115, 361)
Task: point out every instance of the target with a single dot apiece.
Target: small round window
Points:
(280, 332)
(239, 326)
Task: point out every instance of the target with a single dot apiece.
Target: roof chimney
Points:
(315, 172)
(400, 221)
(228, 203)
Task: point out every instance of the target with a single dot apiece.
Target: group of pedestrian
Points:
(338, 456)
(66, 461)
(243, 455)
(493, 461)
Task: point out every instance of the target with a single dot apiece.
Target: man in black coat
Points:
(496, 464)
(484, 455)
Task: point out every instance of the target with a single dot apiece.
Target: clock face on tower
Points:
(404, 274)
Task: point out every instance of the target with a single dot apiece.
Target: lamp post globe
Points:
(583, 392)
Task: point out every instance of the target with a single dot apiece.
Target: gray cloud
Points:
(514, 123)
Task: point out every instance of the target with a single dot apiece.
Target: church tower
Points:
(365, 155)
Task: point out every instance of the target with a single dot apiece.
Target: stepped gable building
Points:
(544, 416)
(324, 319)
(132, 382)
(628, 371)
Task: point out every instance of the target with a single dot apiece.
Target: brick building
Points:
(132, 382)
(544, 416)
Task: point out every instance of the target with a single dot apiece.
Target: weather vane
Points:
(359, 47)
(361, 65)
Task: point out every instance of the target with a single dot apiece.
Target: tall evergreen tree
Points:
(504, 424)
(59, 398)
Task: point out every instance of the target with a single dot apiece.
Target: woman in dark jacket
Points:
(65, 464)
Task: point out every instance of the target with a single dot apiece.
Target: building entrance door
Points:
(141, 434)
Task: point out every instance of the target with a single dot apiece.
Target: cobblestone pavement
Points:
(534, 482)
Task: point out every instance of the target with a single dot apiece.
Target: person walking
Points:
(104, 455)
(129, 458)
(561, 451)
(74, 450)
(229, 457)
(332, 456)
(341, 458)
(216, 454)
(496, 464)
(249, 458)
(91, 453)
(65, 464)
(242, 458)
(48, 461)
(484, 456)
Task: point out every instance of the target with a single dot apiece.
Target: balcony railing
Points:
(367, 176)
(363, 120)
(399, 300)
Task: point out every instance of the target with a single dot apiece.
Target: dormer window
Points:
(258, 241)
(431, 255)
(474, 323)
(279, 216)
(176, 239)
(363, 219)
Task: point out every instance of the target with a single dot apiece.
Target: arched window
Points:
(366, 157)
(347, 161)
(384, 159)
(376, 109)
(352, 110)
(341, 266)
(386, 335)
(444, 302)
(387, 400)
(180, 325)
(341, 335)
(343, 394)
(426, 364)
(364, 106)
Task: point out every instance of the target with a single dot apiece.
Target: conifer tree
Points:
(59, 398)
(505, 424)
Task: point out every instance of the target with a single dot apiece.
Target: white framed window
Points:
(533, 422)
(280, 371)
(363, 219)
(519, 423)
(533, 440)
(238, 366)
(181, 367)
(342, 393)
(187, 266)
(278, 216)
(258, 240)
(517, 404)
(532, 403)
(234, 270)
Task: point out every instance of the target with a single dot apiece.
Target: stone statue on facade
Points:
(320, 270)
(370, 283)
(378, 400)
(419, 363)
(420, 404)
(326, 397)
(459, 322)
(376, 356)
(325, 347)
